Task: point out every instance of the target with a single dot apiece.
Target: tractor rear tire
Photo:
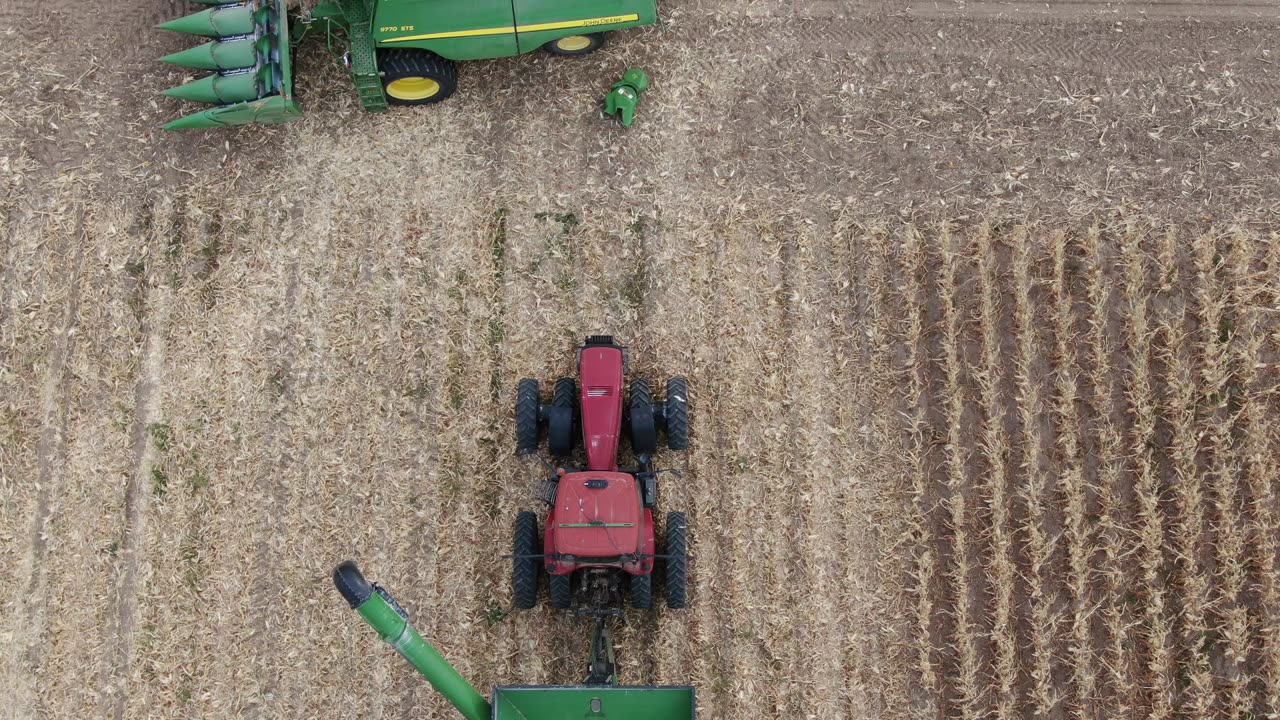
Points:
(677, 414)
(642, 591)
(677, 560)
(560, 425)
(527, 411)
(644, 429)
(561, 587)
(575, 45)
(416, 77)
(524, 570)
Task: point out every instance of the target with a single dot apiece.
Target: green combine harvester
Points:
(599, 697)
(398, 52)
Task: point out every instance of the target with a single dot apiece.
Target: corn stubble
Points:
(1106, 544)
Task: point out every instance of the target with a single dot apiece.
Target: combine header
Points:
(397, 52)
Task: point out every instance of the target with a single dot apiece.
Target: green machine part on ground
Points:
(600, 698)
(399, 52)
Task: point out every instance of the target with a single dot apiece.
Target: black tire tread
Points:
(561, 591)
(677, 560)
(642, 591)
(677, 413)
(524, 572)
(527, 411)
(642, 396)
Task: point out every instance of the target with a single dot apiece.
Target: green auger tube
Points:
(391, 622)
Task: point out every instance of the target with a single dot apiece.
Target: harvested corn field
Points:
(979, 316)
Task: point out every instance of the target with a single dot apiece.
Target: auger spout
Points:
(386, 616)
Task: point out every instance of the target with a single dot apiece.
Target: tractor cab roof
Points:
(598, 515)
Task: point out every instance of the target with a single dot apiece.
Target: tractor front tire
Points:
(642, 591)
(561, 587)
(527, 411)
(560, 423)
(524, 570)
(416, 77)
(677, 414)
(644, 428)
(677, 560)
(575, 45)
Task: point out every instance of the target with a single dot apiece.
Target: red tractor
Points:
(600, 538)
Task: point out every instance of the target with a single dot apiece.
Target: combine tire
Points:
(561, 587)
(677, 414)
(575, 45)
(524, 571)
(677, 560)
(560, 419)
(644, 429)
(642, 591)
(416, 77)
(527, 417)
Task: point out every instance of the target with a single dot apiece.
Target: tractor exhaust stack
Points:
(391, 622)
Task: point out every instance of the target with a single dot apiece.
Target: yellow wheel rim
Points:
(574, 43)
(413, 88)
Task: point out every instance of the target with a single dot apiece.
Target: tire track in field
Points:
(151, 305)
(818, 439)
(929, 554)
(29, 623)
(289, 382)
(861, 278)
(691, 321)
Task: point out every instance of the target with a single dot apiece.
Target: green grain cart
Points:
(599, 697)
(398, 52)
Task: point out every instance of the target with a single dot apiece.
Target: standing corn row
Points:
(1159, 662)
(1117, 614)
(1079, 550)
(1261, 470)
(1188, 527)
(995, 444)
(1217, 336)
(924, 560)
(966, 640)
(1039, 546)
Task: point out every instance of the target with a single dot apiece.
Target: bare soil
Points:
(977, 303)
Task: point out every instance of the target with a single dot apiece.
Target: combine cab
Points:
(398, 52)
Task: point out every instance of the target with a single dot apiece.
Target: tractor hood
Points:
(600, 368)
(598, 515)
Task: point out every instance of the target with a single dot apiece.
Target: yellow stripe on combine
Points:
(506, 30)
(456, 34)
(589, 22)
